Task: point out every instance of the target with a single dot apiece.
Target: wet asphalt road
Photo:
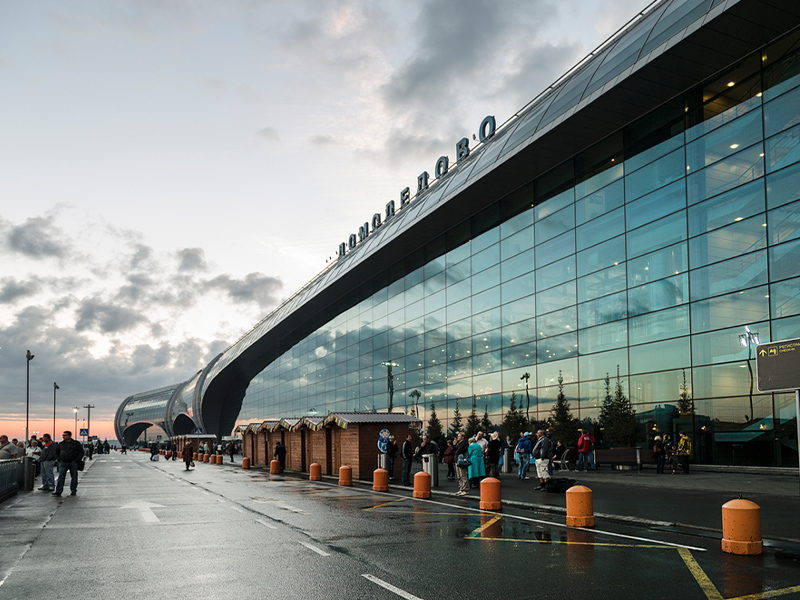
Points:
(141, 529)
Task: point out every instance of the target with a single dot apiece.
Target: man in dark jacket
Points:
(68, 453)
(47, 460)
(407, 454)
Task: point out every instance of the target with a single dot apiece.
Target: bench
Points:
(619, 457)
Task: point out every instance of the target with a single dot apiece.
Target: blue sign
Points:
(198, 430)
(158, 438)
(84, 432)
(94, 438)
(383, 440)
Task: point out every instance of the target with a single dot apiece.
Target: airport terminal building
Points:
(639, 220)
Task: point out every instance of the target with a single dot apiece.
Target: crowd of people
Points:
(66, 456)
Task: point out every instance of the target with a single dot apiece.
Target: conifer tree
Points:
(617, 416)
(473, 421)
(685, 404)
(434, 430)
(563, 425)
(486, 422)
(514, 421)
(455, 424)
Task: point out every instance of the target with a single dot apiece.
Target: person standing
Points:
(523, 451)
(493, 451)
(391, 454)
(450, 460)
(47, 460)
(659, 454)
(231, 450)
(477, 468)
(407, 454)
(543, 452)
(35, 452)
(68, 453)
(280, 455)
(585, 451)
(460, 449)
(684, 452)
(188, 451)
(7, 449)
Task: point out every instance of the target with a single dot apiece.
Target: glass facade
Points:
(643, 258)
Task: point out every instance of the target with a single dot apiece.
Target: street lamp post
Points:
(89, 421)
(29, 356)
(749, 339)
(55, 387)
(527, 376)
(75, 410)
(390, 381)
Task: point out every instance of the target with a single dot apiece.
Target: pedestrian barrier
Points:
(490, 494)
(580, 507)
(422, 485)
(246, 462)
(345, 475)
(8, 478)
(315, 472)
(380, 480)
(274, 467)
(219, 459)
(741, 527)
(194, 455)
(206, 457)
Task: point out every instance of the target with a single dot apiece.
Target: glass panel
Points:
(719, 381)
(600, 180)
(601, 229)
(556, 348)
(486, 300)
(730, 275)
(651, 154)
(555, 273)
(555, 249)
(603, 310)
(664, 293)
(555, 298)
(519, 356)
(656, 205)
(662, 387)
(739, 308)
(484, 241)
(724, 142)
(516, 266)
(556, 323)
(555, 224)
(600, 203)
(724, 346)
(660, 356)
(740, 238)
(519, 333)
(782, 113)
(678, 16)
(486, 279)
(663, 263)
(488, 341)
(596, 366)
(783, 150)
(485, 259)
(659, 326)
(664, 232)
(485, 321)
(517, 288)
(731, 207)
(519, 310)
(784, 223)
(519, 242)
(604, 337)
(786, 329)
(655, 175)
(783, 187)
(783, 261)
(554, 204)
(784, 298)
(601, 283)
(603, 255)
(737, 170)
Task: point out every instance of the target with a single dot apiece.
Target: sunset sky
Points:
(171, 170)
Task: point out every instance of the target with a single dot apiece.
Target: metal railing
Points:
(8, 478)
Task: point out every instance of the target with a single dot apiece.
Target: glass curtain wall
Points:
(643, 260)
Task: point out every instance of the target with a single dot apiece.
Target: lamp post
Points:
(390, 381)
(89, 421)
(55, 387)
(527, 376)
(749, 339)
(415, 394)
(28, 356)
(75, 410)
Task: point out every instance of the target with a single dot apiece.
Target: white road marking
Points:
(314, 548)
(237, 509)
(293, 509)
(145, 508)
(390, 587)
(220, 500)
(265, 524)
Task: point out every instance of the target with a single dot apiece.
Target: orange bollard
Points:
(422, 485)
(315, 472)
(194, 455)
(345, 475)
(380, 480)
(274, 467)
(490, 494)
(246, 462)
(220, 459)
(180, 454)
(580, 507)
(206, 457)
(741, 527)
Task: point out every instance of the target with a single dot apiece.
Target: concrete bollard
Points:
(274, 467)
(580, 507)
(741, 527)
(490, 494)
(315, 472)
(246, 462)
(345, 475)
(422, 485)
(380, 480)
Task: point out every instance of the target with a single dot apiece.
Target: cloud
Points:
(192, 259)
(12, 290)
(268, 134)
(38, 238)
(255, 287)
(94, 314)
(324, 140)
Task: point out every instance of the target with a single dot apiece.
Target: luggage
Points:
(559, 485)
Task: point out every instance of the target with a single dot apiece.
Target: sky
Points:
(172, 170)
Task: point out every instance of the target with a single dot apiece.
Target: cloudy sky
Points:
(171, 170)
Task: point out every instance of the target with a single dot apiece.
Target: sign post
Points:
(778, 370)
